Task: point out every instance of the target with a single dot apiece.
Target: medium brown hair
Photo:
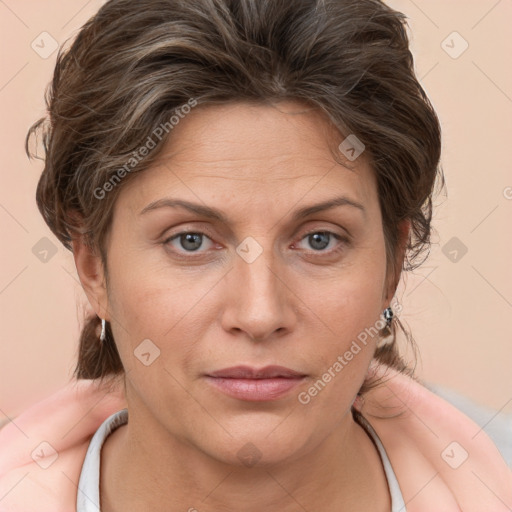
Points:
(135, 64)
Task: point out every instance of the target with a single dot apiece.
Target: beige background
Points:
(458, 311)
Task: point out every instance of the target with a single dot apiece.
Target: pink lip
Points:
(248, 372)
(246, 383)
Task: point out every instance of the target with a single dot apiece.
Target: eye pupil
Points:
(195, 239)
(319, 240)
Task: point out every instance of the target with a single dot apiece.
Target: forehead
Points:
(251, 153)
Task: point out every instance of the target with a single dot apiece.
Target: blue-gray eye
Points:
(188, 241)
(320, 240)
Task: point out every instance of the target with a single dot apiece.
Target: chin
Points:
(259, 448)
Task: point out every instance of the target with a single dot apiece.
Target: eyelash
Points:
(344, 241)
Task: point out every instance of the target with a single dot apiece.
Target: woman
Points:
(241, 184)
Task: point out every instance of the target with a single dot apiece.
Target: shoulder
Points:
(496, 424)
(422, 430)
(42, 450)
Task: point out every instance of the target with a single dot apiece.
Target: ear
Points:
(404, 228)
(92, 276)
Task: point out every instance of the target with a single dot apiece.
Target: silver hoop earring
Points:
(102, 335)
(388, 316)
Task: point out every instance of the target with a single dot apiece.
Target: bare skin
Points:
(298, 305)
(321, 490)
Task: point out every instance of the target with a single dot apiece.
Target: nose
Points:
(260, 302)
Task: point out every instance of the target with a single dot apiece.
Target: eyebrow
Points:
(213, 213)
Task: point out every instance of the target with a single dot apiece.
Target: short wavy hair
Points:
(136, 63)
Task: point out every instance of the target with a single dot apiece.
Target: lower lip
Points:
(256, 390)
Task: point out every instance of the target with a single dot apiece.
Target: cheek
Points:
(343, 356)
(351, 298)
(148, 302)
(347, 312)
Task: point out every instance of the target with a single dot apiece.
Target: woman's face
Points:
(266, 276)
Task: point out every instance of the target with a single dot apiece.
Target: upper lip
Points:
(248, 372)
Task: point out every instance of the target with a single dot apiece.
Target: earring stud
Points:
(388, 316)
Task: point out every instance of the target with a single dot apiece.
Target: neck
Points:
(157, 471)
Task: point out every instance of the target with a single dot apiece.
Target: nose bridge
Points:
(260, 303)
(256, 267)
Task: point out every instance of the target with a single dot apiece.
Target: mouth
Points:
(257, 385)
